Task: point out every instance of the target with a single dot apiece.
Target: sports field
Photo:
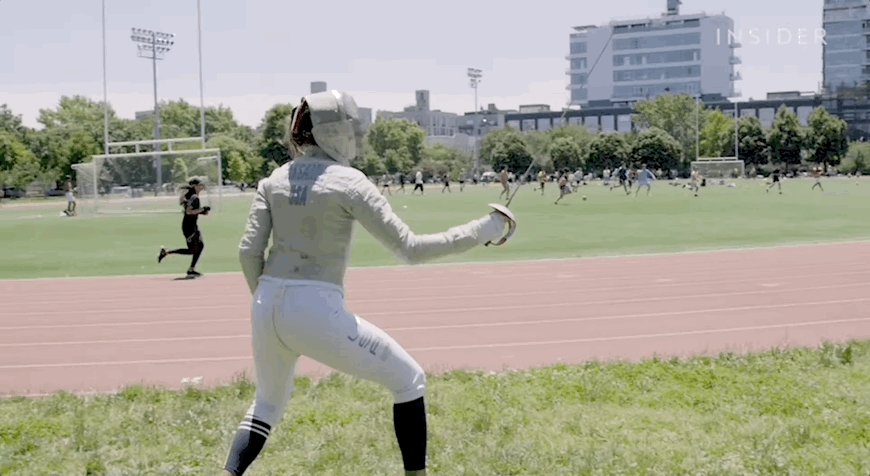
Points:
(606, 407)
(37, 242)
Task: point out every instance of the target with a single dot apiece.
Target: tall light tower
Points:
(474, 76)
(154, 45)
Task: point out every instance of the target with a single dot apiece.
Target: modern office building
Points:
(641, 59)
(846, 49)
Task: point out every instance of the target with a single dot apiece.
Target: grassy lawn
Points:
(801, 412)
(39, 243)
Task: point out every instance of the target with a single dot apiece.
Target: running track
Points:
(100, 334)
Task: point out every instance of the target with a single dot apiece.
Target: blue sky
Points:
(260, 52)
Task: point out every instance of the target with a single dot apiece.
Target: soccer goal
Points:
(148, 181)
(720, 167)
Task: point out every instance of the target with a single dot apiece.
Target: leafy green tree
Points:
(786, 138)
(677, 115)
(827, 138)
(510, 153)
(566, 154)
(18, 166)
(272, 143)
(754, 150)
(657, 149)
(397, 135)
(608, 151)
(717, 136)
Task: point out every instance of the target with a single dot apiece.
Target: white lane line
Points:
(400, 312)
(454, 347)
(466, 326)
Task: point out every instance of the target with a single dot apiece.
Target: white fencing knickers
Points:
(290, 318)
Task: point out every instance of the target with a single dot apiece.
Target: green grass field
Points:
(801, 412)
(39, 243)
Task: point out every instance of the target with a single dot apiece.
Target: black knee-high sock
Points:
(197, 252)
(409, 420)
(180, 251)
(247, 444)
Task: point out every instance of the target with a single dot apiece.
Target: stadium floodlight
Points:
(474, 77)
(154, 45)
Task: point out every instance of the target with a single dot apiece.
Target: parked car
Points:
(12, 192)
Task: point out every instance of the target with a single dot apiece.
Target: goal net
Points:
(147, 181)
(719, 167)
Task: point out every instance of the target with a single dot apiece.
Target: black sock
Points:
(247, 444)
(409, 421)
(180, 251)
(196, 254)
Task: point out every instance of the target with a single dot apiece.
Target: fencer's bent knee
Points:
(415, 388)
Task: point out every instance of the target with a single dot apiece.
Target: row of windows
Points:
(657, 74)
(854, 42)
(579, 95)
(855, 13)
(579, 78)
(623, 122)
(660, 41)
(578, 63)
(693, 23)
(657, 58)
(577, 48)
(844, 28)
(842, 58)
(652, 90)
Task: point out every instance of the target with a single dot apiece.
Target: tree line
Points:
(671, 132)
(72, 132)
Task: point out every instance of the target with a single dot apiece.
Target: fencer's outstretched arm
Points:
(369, 207)
(252, 249)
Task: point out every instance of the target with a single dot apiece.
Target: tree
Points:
(237, 169)
(446, 160)
(18, 166)
(717, 136)
(538, 144)
(753, 142)
(786, 138)
(608, 151)
(395, 134)
(506, 148)
(676, 115)
(827, 138)
(580, 136)
(228, 147)
(566, 154)
(657, 149)
(11, 123)
(511, 153)
(273, 141)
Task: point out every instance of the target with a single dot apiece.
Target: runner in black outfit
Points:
(189, 227)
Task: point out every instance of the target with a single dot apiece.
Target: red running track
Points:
(100, 334)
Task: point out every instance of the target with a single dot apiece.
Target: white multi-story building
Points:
(846, 56)
(644, 58)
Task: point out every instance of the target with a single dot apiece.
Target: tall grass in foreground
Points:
(801, 412)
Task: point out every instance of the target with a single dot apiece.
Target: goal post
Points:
(720, 167)
(148, 181)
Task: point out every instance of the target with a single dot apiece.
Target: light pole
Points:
(698, 127)
(201, 100)
(474, 76)
(736, 131)
(154, 45)
(105, 90)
